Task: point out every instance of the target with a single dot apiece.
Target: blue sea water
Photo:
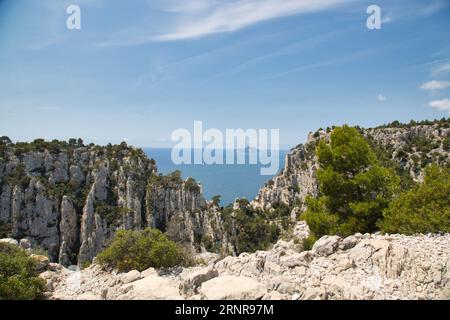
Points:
(229, 181)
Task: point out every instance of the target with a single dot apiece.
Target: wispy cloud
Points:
(231, 16)
(381, 98)
(295, 48)
(435, 85)
(441, 68)
(392, 13)
(335, 60)
(442, 105)
(199, 18)
(49, 108)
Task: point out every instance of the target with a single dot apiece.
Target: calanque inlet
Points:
(68, 200)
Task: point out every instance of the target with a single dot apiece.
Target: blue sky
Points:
(137, 70)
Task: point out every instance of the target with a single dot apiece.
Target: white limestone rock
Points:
(232, 288)
(131, 276)
(153, 288)
(11, 241)
(193, 281)
(326, 245)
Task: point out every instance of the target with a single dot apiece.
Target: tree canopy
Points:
(424, 209)
(354, 187)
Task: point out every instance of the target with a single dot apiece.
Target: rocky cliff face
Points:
(411, 147)
(69, 199)
(178, 208)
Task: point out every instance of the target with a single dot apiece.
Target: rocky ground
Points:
(358, 267)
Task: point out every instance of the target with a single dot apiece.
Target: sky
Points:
(138, 70)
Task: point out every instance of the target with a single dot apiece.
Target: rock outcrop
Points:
(232, 288)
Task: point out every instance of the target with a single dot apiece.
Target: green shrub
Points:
(140, 250)
(216, 200)
(309, 242)
(18, 275)
(172, 180)
(5, 230)
(446, 144)
(252, 230)
(248, 229)
(110, 213)
(425, 209)
(255, 234)
(192, 185)
(18, 177)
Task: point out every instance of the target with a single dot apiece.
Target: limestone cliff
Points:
(69, 198)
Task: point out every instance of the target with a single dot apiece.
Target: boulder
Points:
(130, 276)
(193, 281)
(152, 288)
(25, 243)
(232, 288)
(301, 231)
(315, 293)
(326, 245)
(42, 261)
(350, 242)
(11, 241)
(296, 260)
(149, 272)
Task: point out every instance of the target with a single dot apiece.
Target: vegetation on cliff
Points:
(354, 187)
(363, 190)
(250, 229)
(140, 250)
(424, 209)
(18, 275)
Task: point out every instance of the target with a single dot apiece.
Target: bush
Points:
(192, 185)
(308, 243)
(216, 200)
(249, 230)
(18, 275)
(140, 250)
(172, 180)
(255, 233)
(5, 230)
(425, 209)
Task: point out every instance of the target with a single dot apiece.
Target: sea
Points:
(230, 181)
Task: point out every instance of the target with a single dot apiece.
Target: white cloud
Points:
(391, 12)
(226, 16)
(190, 6)
(199, 18)
(441, 68)
(381, 98)
(442, 105)
(435, 85)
